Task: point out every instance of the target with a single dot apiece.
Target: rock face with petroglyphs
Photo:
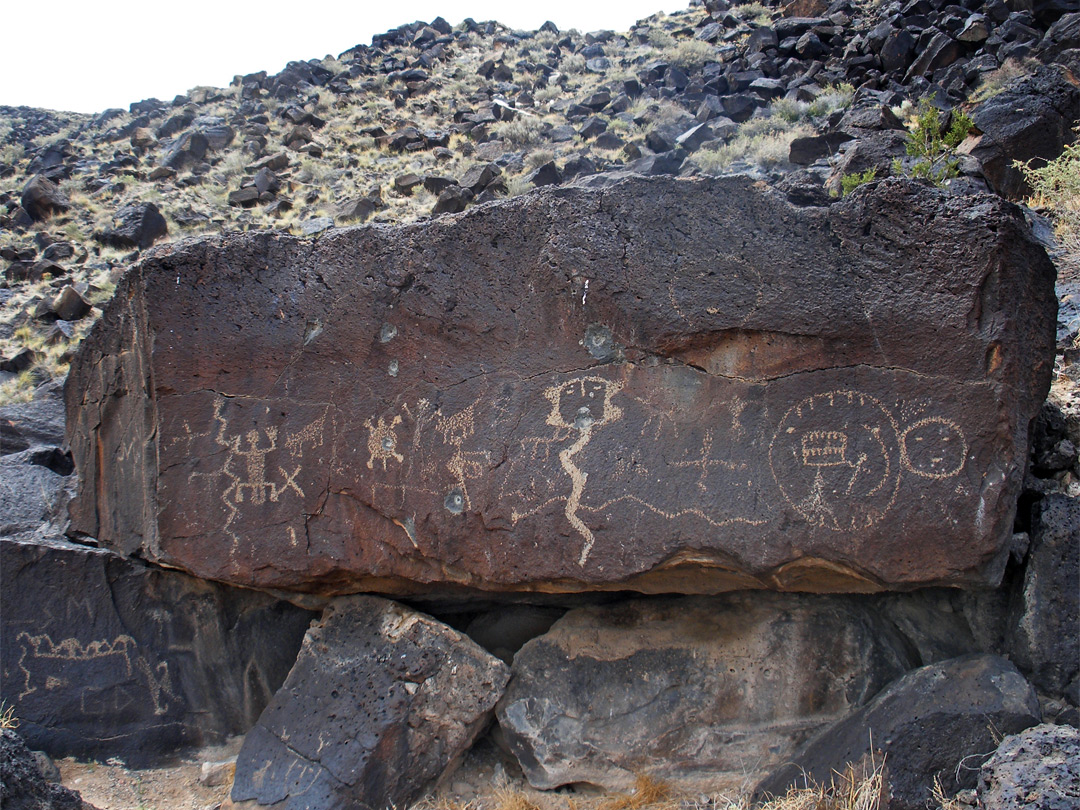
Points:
(666, 385)
(108, 657)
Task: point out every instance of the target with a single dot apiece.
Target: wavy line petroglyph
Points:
(589, 394)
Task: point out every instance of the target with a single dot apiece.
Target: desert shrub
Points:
(1056, 187)
(659, 38)
(833, 97)
(690, 54)
(994, 81)
(933, 147)
(523, 130)
(753, 11)
(850, 182)
(765, 147)
(537, 158)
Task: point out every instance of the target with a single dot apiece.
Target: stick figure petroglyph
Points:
(261, 465)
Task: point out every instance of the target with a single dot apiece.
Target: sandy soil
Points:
(486, 779)
(111, 786)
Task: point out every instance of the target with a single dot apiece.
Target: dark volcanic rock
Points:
(31, 493)
(25, 424)
(22, 786)
(1044, 622)
(105, 657)
(136, 226)
(708, 691)
(1037, 769)
(565, 391)
(41, 198)
(926, 723)
(381, 701)
(1032, 118)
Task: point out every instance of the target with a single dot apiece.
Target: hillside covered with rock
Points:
(549, 420)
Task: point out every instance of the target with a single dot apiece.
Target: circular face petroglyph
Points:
(933, 448)
(835, 459)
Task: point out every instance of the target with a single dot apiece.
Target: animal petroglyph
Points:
(121, 653)
(463, 465)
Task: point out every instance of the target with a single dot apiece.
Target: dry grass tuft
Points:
(7, 716)
(510, 799)
(648, 794)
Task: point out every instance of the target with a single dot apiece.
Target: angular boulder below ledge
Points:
(666, 385)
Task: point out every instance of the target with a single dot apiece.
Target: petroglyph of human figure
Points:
(578, 409)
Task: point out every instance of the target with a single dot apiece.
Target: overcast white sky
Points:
(87, 56)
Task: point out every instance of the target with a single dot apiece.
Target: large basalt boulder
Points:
(708, 691)
(927, 723)
(381, 702)
(1044, 619)
(1037, 768)
(106, 657)
(665, 385)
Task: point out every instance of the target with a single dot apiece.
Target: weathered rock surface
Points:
(105, 657)
(925, 723)
(704, 690)
(664, 385)
(1044, 621)
(32, 491)
(381, 702)
(22, 785)
(136, 226)
(1037, 769)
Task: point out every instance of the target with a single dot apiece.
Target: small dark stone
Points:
(69, 305)
(41, 198)
(20, 361)
(435, 184)
(135, 226)
(452, 200)
(477, 177)
(405, 183)
(546, 175)
(22, 784)
(592, 127)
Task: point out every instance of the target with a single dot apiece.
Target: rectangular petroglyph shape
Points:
(666, 385)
